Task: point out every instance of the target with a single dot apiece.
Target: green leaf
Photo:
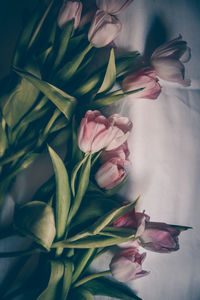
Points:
(82, 186)
(64, 102)
(81, 294)
(71, 67)
(36, 221)
(126, 63)
(67, 279)
(19, 102)
(95, 241)
(110, 76)
(91, 210)
(63, 193)
(117, 232)
(52, 290)
(103, 221)
(82, 263)
(61, 43)
(30, 32)
(110, 288)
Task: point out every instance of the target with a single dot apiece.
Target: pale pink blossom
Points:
(104, 29)
(144, 79)
(127, 265)
(153, 236)
(70, 10)
(110, 173)
(113, 7)
(97, 132)
(168, 59)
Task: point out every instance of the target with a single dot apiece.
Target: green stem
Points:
(51, 121)
(92, 276)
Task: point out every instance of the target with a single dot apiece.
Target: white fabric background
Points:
(164, 145)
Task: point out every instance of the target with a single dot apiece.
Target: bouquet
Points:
(64, 73)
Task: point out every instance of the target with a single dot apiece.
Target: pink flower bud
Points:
(69, 10)
(127, 265)
(103, 29)
(97, 132)
(168, 60)
(146, 79)
(111, 173)
(160, 237)
(121, 152)
(113, 7)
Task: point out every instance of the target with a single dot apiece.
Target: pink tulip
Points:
(69, 10)
(97, 132)
(121, 152)
(154, 236)
(103, 29)
(127, 265)
(146, 79)
(159, 237)
(168, 59)
(113, 7)
(111, 173)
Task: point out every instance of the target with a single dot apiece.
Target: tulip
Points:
(121, 152)
(113, 7)
(168, 59)
(69, 10)
(127, 265)
(146, 79)
(160, 237)
(154, 236)
(97, 132)
(111, 173)
(103, 29)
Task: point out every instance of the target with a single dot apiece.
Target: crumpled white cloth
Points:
(164, 145)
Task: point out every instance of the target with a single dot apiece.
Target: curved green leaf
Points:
(110, 76)
(82, 186)
(63, 193)
(64, 102)
(36, 221)
(52, 290)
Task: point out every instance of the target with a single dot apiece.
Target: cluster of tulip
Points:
(109, 135)
(53, 96)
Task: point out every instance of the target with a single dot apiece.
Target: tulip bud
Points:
(113, 7)
(159, 237)
(111, 173)
(121, 152)
(146, 79)
(70, 10)
(97, 132)
(36, 221)
(104, 29)
(168, 59)
(127, 265)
